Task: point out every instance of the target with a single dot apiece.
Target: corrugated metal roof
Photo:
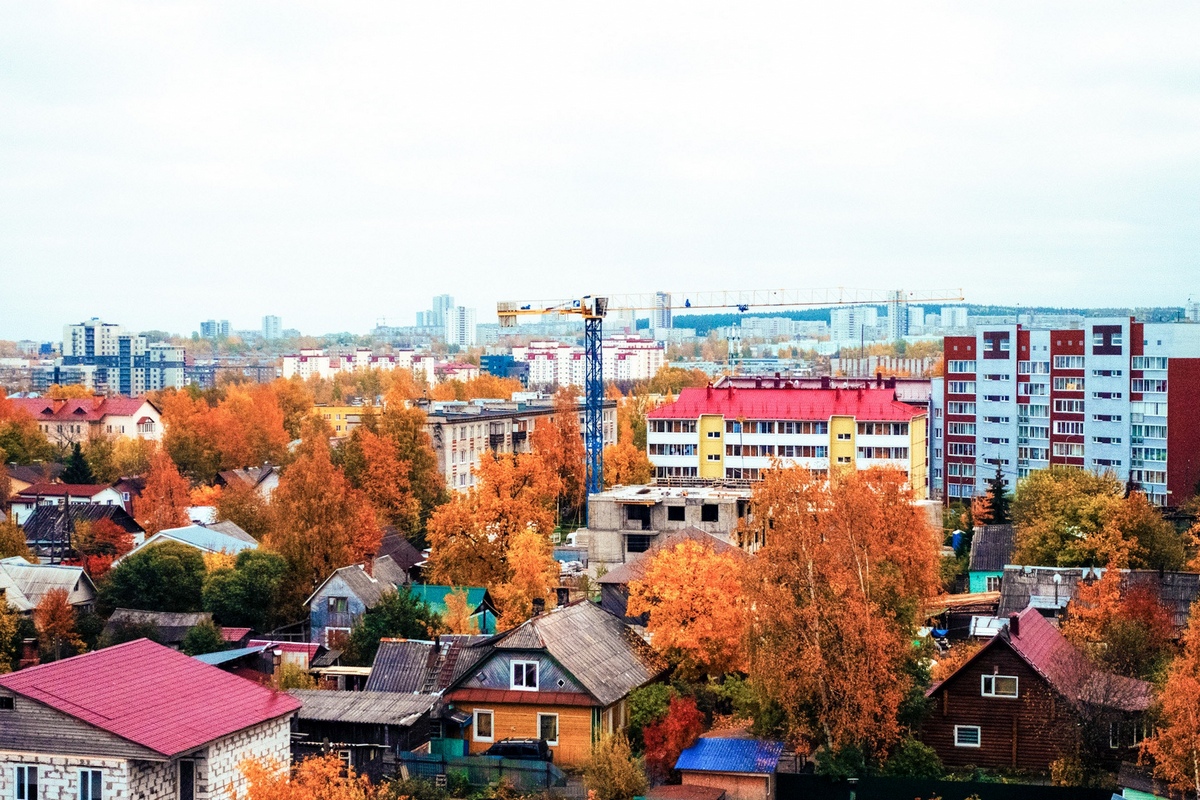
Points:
(225, 656)
(414, 665)
(208, 539)
(34, 580)
(152, 695)
(713, 754)
(172, 626)
(380, 708)
(878, 405)
(45, 521)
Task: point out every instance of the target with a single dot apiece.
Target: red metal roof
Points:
(92, 409)
(151, 695)
(309, 648)
(62, 489)
(877, 405)
(520, 698)
(234, 634)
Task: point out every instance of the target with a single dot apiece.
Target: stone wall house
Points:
(116, 724)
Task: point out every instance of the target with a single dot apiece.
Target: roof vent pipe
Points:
(1014, 625)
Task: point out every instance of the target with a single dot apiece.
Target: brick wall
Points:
(58, 776)
(217, 774)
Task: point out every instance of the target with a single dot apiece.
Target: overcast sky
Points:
(337, 163)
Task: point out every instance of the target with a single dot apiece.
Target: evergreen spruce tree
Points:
(998, 496)
(77, 471)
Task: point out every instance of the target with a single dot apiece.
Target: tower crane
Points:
(592, 309)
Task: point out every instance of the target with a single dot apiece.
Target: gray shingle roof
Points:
(380, 708)
(992, 548)
(172, 626)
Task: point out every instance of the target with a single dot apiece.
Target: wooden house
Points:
(991, 550)
(23, 585)
(1023, 698)
(563, 676)
(365, 729)
(414, 665)
(342, 598)
(137, 720)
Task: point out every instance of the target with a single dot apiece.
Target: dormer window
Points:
(524, 676)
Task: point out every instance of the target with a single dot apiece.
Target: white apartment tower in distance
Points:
(460, 325)
(90, 339)
(954, 317)
(661, 318)
(849, 325)
(897, 319)
(272, 328)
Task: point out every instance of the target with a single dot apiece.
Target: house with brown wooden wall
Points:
(563, 676)
(1023, 698)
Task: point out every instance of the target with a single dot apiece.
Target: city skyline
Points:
(1027, 156)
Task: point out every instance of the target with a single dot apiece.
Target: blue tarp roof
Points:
(223, 656)
(711, 754)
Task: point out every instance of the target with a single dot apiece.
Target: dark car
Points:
(533, 749)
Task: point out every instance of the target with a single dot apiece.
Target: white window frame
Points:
(26, 769)
(993, 580)
(714, 434)
(557, 733)
(512, 676)
(85, 784)
(978, 736)
(475, 715)
(984, 690)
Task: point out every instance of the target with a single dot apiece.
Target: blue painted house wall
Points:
(978, 580)
(319, 614)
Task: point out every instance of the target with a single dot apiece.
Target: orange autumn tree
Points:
(315, 778)
(834, 594)
(319, 521)
(457, 618)
(560, 443)
(624, 462)
(164, 502)
(532, 575)
(372, 464)
(55, 621)
(470, 536)
(1175, 745)
(97, 544)
(1125, 630)
(693, 596)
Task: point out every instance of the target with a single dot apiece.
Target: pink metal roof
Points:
(91, 409)
(309, 648)
(151, 695)
(877, 405)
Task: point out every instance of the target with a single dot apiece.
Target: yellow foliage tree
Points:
(164, 501)
(457, 618)
(315, 778)
(532, 575)
(560, 444)
(624, 462)
(1175, 745)
(693, 596)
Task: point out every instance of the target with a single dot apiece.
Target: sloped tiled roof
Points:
(1023, 585)
(636, 570)
(62, 490)
(172, 626)
(400, 549)
(366, 587)
(91, 409)
(991, 548)
(207, 539)
(713, 754)
(35, 473)
(151, 695)
(231, 529)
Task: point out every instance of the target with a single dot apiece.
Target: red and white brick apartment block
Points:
(1114, 395)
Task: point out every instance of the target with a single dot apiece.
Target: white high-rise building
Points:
(272, 328)
(851, 324)
(460, 325)
(954, 317)
(897, 319)
(661, 318)
(90, 339)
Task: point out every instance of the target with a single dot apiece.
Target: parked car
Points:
(533, 749)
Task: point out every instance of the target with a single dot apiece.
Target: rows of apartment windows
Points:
(731, 473)
(782, 450)
(779, 427)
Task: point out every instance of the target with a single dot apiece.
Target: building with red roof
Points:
(67, 422)
(135, 720)
(730, 434)
(1028, 697)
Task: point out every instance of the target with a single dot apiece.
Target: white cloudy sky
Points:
(334, 163)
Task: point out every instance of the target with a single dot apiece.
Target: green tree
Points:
(163, 577)
(77, 470)
(10, 642)
(647, 705)
(1061, 517)
(913, 759)
(399, 614)
(248, 594)
(203, 638)
(998, 499)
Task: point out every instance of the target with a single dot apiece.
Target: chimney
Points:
(539, 606)
(708, 391)
(824, 381)
(29, 654)
(879, 379)
(1014, 624)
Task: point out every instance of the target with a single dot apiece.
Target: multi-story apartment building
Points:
(1114, 395)
(214, 329)
(623, 358)
(272, 328)
(731, 433)
(102, 357)
(460, 326)
(462, 432)
(851, 324)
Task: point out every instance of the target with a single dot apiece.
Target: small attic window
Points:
(6, 704)
(79, 411)
(481, 677)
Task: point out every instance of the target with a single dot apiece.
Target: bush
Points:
(647, 705)
(913, 759)
(613, 772)
(203, 638)
(292, 676)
